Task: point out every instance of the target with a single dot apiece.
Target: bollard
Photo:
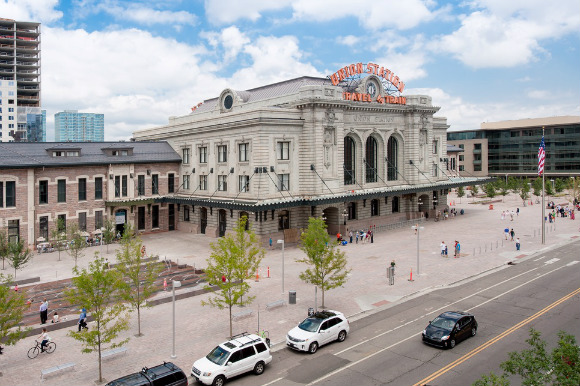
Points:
(268, 272)
(496, 244)
(491, 246)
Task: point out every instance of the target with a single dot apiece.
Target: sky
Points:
(140, 62)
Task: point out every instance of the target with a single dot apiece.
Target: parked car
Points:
(318, 329)
(450, 328)
(243, 353)
(166, 374)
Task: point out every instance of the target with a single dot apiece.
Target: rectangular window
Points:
(461, 168)
(244, 152)
(222, 183)
(155, 216)
(61, 190)
(98, 188)
(82, 189)
(43, 192)
(477, 146)
(244, 183)
(283, 150)
(117, 186)
(141, 185)
(170, 182)
(124, 186)
(155, 184)
(461, 157)
(185, 181)
(62, 221)
(186, 155)
(202, 182)
(13, 231)
(434, 170)
(98, 219)
(203, 155)
(435, 146)
(1, 194)
(10, 194)
(476, 168)
(222, 153)
(83, 221)
(43, 226)
(284, 182)
(141, 218)
(185, 213)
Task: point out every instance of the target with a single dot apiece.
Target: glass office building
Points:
(70, 125)
(511, 147)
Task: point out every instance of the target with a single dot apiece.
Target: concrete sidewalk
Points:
(199, 329)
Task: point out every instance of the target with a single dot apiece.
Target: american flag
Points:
(541, 156)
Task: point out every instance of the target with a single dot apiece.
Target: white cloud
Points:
(148, 16)
(229, 11)
(41, 11)
(540, 94)
(233, 42)
(349, 40)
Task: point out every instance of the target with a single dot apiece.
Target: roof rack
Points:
(241, 335)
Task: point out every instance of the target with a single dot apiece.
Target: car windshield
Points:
(310, 324)
(446, 324)
(218, 355)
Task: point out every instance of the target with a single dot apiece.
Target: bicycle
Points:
(48, 348)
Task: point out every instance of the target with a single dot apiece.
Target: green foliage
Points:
(77, 244)
(58, 234)
(139, 276)
(18, 255)
(4, 250)
(490, 189)
(537, 186)
(549, 188)
(97, 289)
(12, 308)
(327, 265)
(574, 186)
(525, 189)
(474, 189)
(513, 184)
(236, 257)
(460, 191)
(503, 187)
(108, 232)
(535, 367)
(560, 185)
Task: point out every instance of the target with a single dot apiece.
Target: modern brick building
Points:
(86, 183)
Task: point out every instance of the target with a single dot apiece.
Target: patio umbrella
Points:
(41, 239)
(84, 234)
(97, 232)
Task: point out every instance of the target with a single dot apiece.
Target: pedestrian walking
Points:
(446, 251)
(506, 231)
(83, 319)
(503, 215)
(165, 284)
(443, 246)
(356, 236)
(517, 243)
(350, 236)
(512, 234)
(43, 312)
(270, 243)
(372, 236)
(457, 249)
(517, 211)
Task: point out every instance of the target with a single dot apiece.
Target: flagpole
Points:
(543, 202)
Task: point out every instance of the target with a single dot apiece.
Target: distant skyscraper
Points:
(19, 78)
(70, 125)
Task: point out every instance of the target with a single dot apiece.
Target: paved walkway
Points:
(199, 329)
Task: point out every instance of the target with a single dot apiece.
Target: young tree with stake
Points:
(12, 309)
(18, 255)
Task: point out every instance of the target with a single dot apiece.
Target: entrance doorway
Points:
(222, 218)
(120, 220)
(203, 219)
(171, 217)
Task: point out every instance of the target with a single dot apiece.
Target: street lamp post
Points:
(282, 242)
(344, 216)
(175, 285)
(417, 228)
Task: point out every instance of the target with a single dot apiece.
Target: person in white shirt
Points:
(44, 339)
(442, 248)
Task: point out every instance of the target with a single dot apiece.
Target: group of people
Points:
(512, 235)
(506, 213)
(456, 248)
(362, 235)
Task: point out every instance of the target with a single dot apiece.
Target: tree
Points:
(58, 234)
(549, 188)
(18, 255)
(327, 265)
(12, 308)
(537, 186)
(4, 250)
(525, 189)
(234, 258)
(574, 186)
(490, 189)
(503, 188)
(513, 184)
(108, 232)
(560, 185)
(536, 367)
(77, 244)
(139, 276)
(97, 289)
(474, 189)
(460, 192)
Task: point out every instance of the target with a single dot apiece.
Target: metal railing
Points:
(397, 225)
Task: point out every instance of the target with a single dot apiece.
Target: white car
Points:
(319, 329)
(242, 354)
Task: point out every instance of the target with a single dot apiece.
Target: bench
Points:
(243, 314)
(277, 303)
(54, 369)
(113, 351)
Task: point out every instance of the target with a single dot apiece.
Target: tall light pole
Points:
(282, 242)
(175, 285)
(344, 216)
(417, 228)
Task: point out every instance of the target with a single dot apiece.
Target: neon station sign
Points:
(355, 70)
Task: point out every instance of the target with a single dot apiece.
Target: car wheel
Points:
(259, 368)
(313, 347)
(220, 380)
(473, 331)
(452, 343)
(341, 336)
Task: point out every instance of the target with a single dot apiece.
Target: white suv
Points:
(243, 353)
(321, 328)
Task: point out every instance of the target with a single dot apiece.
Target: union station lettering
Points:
(356, 96)
(371, 68)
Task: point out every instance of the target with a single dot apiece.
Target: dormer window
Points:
(65, 153)
(118, 152)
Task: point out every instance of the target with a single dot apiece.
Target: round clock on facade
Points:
(228, 102)
(372, 89)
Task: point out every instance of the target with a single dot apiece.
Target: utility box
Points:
(291, 297)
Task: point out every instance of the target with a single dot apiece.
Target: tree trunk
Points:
(231, 334)
(138, 321)
(100, 366)
(322, 306)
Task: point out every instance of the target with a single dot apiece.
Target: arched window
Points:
(392, 157)
(371, 159)
(349, 161)
(395, 205)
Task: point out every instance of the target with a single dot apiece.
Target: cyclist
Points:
(45, 339)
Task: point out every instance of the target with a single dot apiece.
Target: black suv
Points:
(166, 374)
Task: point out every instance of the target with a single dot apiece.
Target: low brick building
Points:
(86, 183)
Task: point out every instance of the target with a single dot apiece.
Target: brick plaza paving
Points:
(199, 329)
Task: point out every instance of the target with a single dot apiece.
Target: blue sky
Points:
(139, 62)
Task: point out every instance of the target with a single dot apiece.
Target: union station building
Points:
(349, 148)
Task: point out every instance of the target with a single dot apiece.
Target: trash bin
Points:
(291, 297)
(310, 311)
